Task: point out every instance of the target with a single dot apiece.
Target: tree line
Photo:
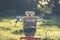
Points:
(18, 7)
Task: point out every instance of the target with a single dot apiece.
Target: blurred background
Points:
(18, 7)
(49, 10)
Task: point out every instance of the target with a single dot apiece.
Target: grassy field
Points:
(50, 31)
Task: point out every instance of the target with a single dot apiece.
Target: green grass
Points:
(9, 32)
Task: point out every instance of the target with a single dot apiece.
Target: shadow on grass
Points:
(52, 22)
(5, 29)
(1, 20)
(48, 39)
(17, 32)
